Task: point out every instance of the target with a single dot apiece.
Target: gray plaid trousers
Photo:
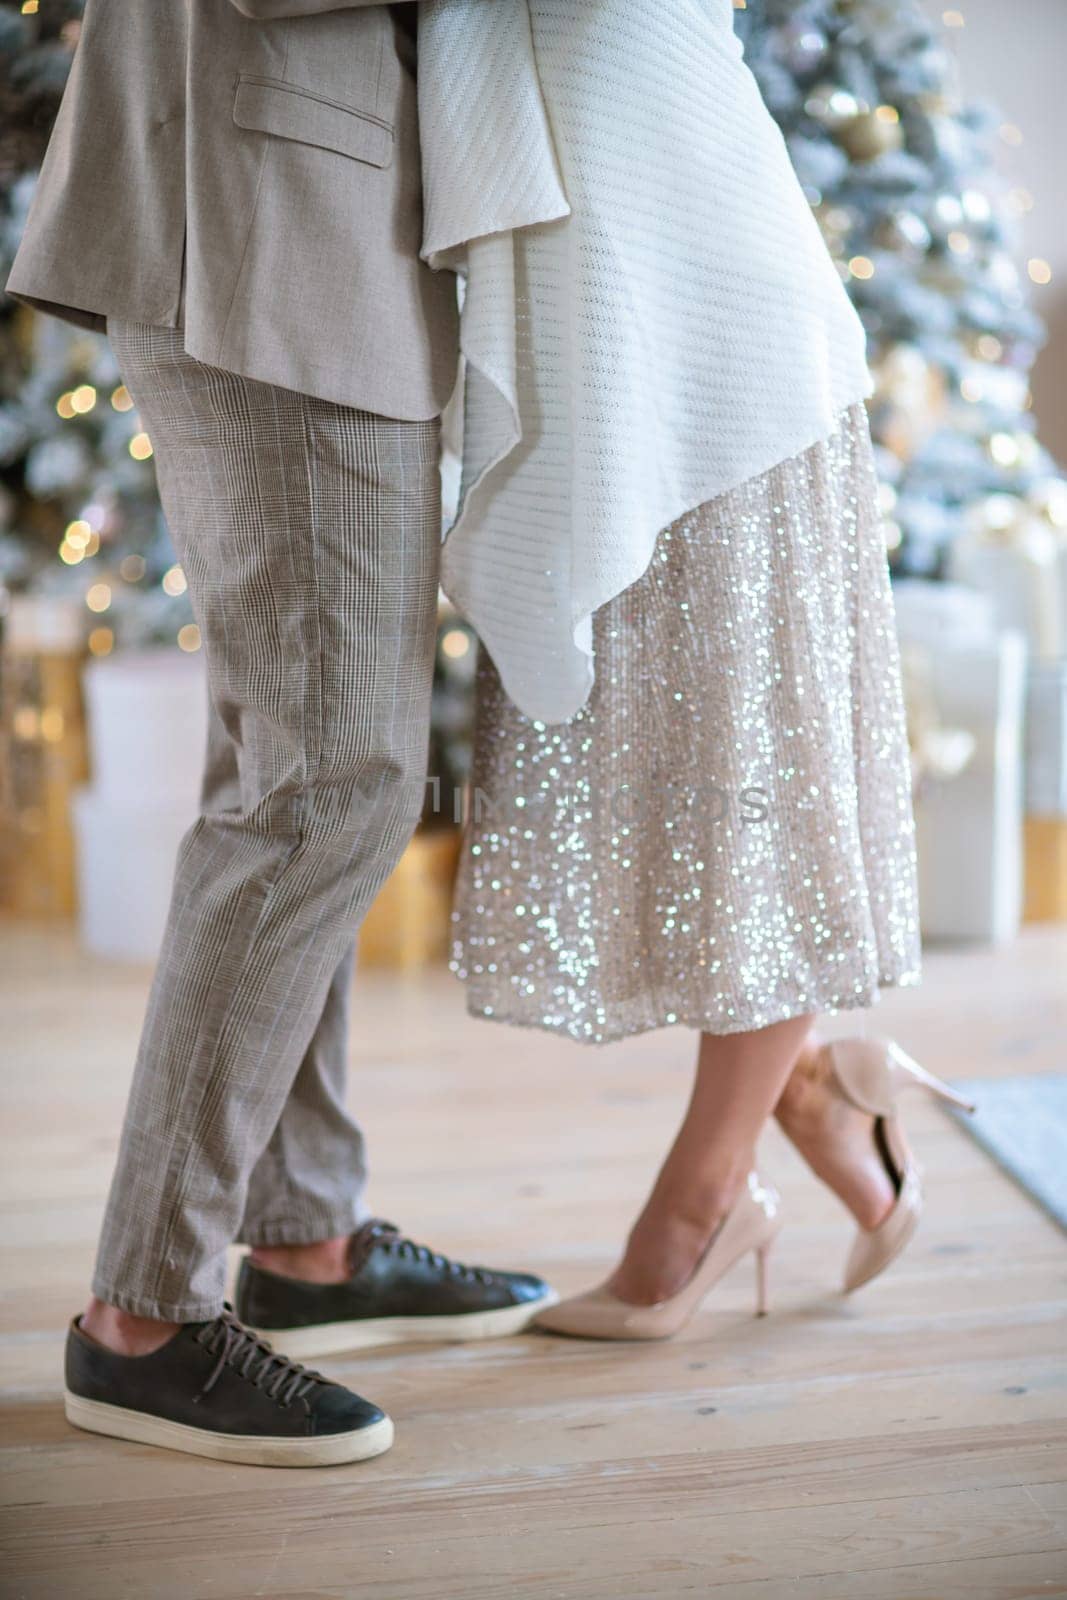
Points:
(309, 534)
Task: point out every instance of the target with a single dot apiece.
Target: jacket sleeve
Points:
(272, 10)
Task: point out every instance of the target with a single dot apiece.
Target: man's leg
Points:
(308, 1184)
(309, 535)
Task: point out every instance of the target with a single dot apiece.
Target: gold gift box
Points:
(408, 925)
(44, 759)
(1045, 853)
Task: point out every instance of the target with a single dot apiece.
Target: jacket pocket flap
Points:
(270, 106)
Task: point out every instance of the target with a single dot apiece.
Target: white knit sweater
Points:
(651, 316)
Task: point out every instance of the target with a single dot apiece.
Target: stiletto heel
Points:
(751, 1225)
(762, 1258)
(870, 1074)
(905, 1073)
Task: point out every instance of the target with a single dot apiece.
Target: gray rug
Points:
(1022, 1123)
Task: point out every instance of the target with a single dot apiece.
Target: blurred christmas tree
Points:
(79, 513)
(78, 508)
(902, 178)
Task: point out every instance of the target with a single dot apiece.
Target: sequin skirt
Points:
(723, 836)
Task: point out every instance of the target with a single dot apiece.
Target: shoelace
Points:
(394, 1242)
(238, 1347)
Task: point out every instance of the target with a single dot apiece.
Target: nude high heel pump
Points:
(752, 1225)
(870, 1074)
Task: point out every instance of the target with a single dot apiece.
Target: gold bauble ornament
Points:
(831, 105)
(910, 396)
(1049, 498)
(869, 134)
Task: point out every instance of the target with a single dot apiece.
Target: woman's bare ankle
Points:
(122, 1332)
(837, 1141)
(325, 1261)
(678, 1222)
(700, 1195)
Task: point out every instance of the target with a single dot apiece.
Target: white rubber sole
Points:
(333, 1338)
(332, 1450)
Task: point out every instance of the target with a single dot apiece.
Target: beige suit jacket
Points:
(249, 170)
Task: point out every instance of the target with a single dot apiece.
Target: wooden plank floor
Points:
(908, 1443)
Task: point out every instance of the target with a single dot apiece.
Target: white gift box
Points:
(933, 614)
(1046, 740)
(969, 826)
(147, 713)
(1020, 576)
(125, 869)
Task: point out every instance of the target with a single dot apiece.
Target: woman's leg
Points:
(739, 1081)
(836, 1139)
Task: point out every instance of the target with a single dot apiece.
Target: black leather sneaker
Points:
(396, 1291)
(217, 1390)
